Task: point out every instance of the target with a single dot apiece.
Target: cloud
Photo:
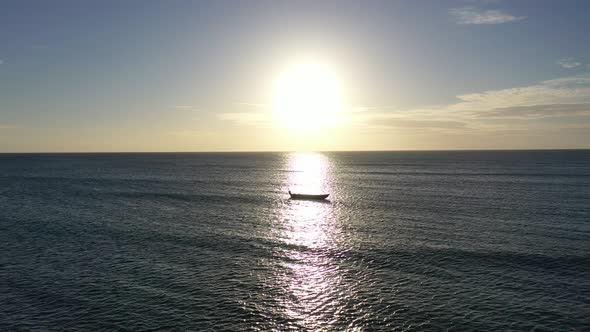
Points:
(257, 119)
(249, 114)
(566, 90)
(185, 107)
(1, 61)
(472, 15)
(539, 111)
(253, 105)
(547, 105)
(416, 124)
(568, 63)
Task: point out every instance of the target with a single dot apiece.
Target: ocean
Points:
(408, 241)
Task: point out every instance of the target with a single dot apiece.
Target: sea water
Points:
(408, 241)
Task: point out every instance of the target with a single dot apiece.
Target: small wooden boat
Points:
(307, 196)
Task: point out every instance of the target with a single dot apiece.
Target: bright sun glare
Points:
(307, 97)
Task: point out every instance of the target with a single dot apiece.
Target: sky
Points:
(100, 76)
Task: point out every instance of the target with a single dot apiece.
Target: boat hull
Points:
(309, 197)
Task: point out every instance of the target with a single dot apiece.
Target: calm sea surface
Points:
(409, 241)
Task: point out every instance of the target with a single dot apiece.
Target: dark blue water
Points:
(409, 241)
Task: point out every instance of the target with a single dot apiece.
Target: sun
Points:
(307, 97)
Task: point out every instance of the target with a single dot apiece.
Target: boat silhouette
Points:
(308, 196)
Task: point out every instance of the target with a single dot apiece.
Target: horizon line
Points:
(289, 151)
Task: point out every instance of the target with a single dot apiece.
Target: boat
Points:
(308, 196)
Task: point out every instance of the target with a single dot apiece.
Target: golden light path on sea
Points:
(311, 232)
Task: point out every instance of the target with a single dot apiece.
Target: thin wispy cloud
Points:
(568, 63)
(539, 111)
(256, 119)
(411, 124)
(472, 15)
(249, 114)
(185, 107)
(524, 108)
(566, 90)
(1, 61)
(567, 98)
(364, 109)
(254, 105)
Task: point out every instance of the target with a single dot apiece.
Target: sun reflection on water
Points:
(309, 173)
(311, 233)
